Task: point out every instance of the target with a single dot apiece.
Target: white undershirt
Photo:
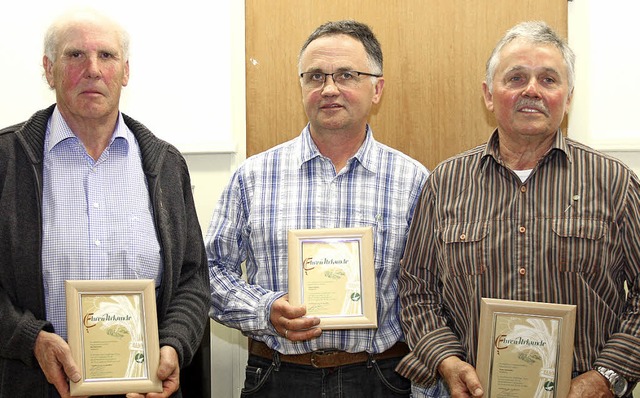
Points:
(523, 174)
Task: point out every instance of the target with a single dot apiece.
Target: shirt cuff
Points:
(621, 353)
(421, 364)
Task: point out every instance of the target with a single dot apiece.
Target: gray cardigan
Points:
(183, 298)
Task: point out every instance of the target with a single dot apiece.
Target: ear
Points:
(378, 90)
(47, 64)
(488, 97)
(568, 103)
(125, 78)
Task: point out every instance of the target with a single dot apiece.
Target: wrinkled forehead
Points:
(524, 54)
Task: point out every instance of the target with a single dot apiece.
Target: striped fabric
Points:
(292, 186)
(569, 234)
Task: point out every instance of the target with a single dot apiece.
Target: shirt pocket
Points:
(466, 248)
(580, 244)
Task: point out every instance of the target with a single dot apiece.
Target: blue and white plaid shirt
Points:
(293, 186)
(97, 220)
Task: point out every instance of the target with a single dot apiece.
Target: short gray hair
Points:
(54, 33)
(535, 32)
(358, 31)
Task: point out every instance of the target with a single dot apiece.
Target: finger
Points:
(302, 335)
(472, 382)
(70, 369)
(61, 385)
(285, 309)
(301, 323)
(169, 363)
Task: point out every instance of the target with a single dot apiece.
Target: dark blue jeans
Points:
(267, 378)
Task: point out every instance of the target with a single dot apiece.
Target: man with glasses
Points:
(333, 175)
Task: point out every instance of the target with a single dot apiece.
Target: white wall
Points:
(604, 111)
(179, 63)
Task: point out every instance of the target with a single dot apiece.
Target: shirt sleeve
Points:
(430, 338)
(622, 350)
(235, 302)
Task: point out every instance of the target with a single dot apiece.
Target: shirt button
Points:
(96, 205)
(522, 271)
(463, 236)
(97, 242)
(522, 230)
(523, 189)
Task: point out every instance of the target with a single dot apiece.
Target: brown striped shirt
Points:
(569, 234)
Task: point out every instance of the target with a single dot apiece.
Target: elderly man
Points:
(89, 193)
(530, 216)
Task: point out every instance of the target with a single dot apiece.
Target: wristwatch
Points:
(617, 384)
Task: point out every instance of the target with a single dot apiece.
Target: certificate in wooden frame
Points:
(113, 335)
(525, 348)
(331, 272)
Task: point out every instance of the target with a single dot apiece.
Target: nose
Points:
(329, 88)
(92, 70)
(531, 90)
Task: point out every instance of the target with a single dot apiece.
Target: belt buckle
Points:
(315, 355)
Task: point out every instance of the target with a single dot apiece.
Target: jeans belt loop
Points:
(276, 360)
(370, 361)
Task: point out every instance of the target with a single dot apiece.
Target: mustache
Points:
(532, 103)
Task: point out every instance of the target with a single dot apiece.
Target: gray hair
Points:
(534, 32)
(358, 31)
(54, 33)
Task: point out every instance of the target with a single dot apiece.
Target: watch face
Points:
(619, 386)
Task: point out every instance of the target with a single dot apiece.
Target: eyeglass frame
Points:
(324, 80)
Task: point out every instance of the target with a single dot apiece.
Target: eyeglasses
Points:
(346, 78)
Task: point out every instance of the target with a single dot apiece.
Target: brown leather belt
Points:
(327, 358)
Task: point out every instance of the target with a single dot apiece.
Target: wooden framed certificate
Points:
(525, 349)
(331, 272)
(113, 336)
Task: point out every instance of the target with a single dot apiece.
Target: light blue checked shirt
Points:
(97, 219)
(292, 186)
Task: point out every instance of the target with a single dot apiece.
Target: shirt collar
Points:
(365, 156)
(492, 148)
(58, 130)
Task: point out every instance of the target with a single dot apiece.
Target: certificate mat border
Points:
(146, 288)
(486, 337)
(369, 317)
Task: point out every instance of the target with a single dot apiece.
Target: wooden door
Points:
(434, 57)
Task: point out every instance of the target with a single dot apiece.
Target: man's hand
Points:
(168, 372)
(289, 322)
(461, 378)
(590, 384)
(54, 356)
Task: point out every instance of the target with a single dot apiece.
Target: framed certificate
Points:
(331, 272)
(113, 336)
(525, 349)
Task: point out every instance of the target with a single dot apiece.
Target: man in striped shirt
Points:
(333, 175)
(530, 216)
